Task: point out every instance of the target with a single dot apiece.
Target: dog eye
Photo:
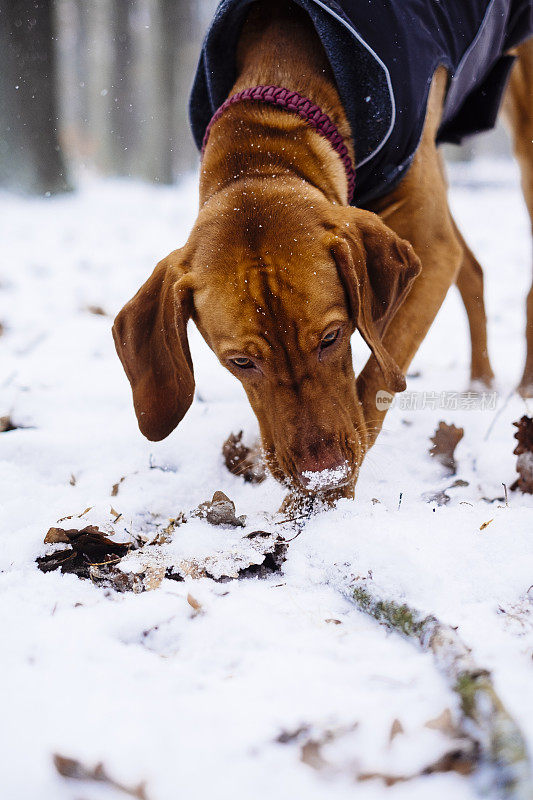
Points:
(242, 363)
(329, 338)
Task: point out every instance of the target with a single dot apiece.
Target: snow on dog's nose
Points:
(328, 477)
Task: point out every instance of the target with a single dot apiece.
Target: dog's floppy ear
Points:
(150, 335)
(377, 269)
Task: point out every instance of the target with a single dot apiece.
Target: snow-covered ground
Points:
(209, 703)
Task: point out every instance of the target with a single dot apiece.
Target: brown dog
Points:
(279, 271)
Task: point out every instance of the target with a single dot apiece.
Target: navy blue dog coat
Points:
(383, 54)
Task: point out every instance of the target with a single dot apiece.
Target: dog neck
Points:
(278, 46)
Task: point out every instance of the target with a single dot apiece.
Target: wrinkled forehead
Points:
(273, 299)
(262, 262)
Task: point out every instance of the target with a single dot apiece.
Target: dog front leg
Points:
(417, 211)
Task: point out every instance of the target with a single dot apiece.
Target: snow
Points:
(192, 701)
(324, 478)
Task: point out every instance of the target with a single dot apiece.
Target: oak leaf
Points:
(445, 440)
(243, 461)
(524, 451)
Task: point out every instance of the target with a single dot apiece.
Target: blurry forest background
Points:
(102, 86)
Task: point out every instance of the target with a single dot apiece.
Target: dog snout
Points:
(326, 472)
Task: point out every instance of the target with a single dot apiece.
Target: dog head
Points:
(276, 281)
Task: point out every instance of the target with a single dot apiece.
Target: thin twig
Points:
(497, 415)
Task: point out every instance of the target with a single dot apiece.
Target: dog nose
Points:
(317, 475)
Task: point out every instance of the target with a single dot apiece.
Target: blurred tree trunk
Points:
(82, 64)
(30, 154)
(100, 60)
(122, 120)
(174, 57)
(168, 34)
(186, 154)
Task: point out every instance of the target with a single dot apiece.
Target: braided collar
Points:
(297, 104)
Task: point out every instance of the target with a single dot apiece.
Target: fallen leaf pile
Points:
(142, 565)
(524, 451)
(242, 460)
(87, 547)
(75, 770)
(445, 440)
(460, 755)
(90, 554)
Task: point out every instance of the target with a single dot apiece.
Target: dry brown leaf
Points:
(194, 604)
(443, 723)
(190, 569)
(258, 535)
(109, 576)
(463, 759)
(220, 510)
(76, 516)
(7, 424)
(485, 524)
(445, 440)
(333, 621)
(285, 737)
(311, 749)
(153, 577)
(524, 451)
(72, 480)
(116, 486)
(396, 729)
(173, 523)
(75, 770)
(242, 460)
(388, 780)
(97, 310)
(164, 536)
(310, 754)
(55, 536)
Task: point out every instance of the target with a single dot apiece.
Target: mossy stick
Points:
(502, 746)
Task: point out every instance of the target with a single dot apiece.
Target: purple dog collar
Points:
(292, 101)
